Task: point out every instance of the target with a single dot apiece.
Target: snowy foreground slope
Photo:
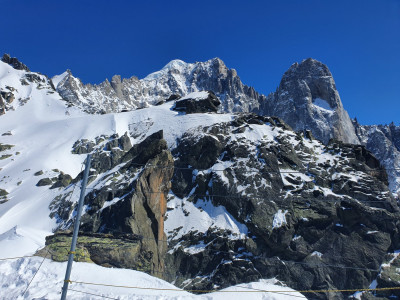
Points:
(15, 276)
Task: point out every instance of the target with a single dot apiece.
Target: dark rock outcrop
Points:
(3, 196)
(202, 105)
(130, 200)
(63, 180)
(115, 250)
(14, 62)
(44, 182)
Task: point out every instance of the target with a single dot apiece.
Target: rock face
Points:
(14, 62)
(384, 142)
(109, 250)
(198, 102)
(177, 77)
(129, 187)
(307, 99)
(295, 206)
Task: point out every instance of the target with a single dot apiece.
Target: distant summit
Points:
(307, 99)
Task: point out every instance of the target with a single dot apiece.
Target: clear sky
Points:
(359, 40)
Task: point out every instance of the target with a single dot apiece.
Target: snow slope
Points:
(15, 276)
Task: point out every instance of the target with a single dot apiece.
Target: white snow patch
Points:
(200, 216)
(316, 253)
(58, 78)
(195, 248)
(196, 96)
(322, 104)
(296, 237)
(279, 219)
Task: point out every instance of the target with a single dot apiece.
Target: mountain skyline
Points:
(357, 40)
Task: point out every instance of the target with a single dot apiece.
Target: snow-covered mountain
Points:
(176, 78)
(184, 192)
(306, 99)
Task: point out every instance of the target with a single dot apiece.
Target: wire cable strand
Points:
(23, 294)
(102, 296)
(16, 257)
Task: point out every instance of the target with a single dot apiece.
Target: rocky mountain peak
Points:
(317, 77)
(307, 99)
(14, 62)
(311, 67)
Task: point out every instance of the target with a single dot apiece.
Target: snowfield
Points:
(15, 276)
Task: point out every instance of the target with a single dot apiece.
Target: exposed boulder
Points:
(44, 182)
(115, 250)
(198, 102)
(3, 196)
(63, 180)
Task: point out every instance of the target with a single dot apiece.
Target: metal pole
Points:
(76, 229)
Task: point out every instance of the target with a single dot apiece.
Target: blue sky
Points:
(359, 40)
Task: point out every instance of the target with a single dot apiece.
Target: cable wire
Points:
(106, 297)
(23, 294)
(17, 257)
